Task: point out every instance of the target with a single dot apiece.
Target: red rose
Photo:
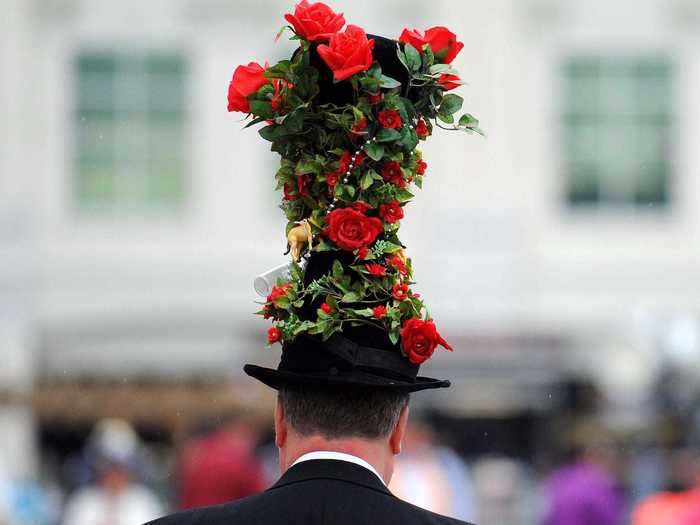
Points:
(441, 41)
(331, 179)
(421, 167)
(375, 269)
(391, 172)
(246, 80)
(315, 21)
(390, 118)
(359, 126)
(362, 253)
(361, 206)
(274, 334)
(400, 291)
(327, 308)
(419, 339)
(397, 262)
(422, 129)
(267, 311)
(289, 194)
(347, 53)
(375, 98)
(344, 162)
(278, 291)
(448, 82)
(379, 311)
(360, 158)
(350, 229)
(303, 182)
(391, 212)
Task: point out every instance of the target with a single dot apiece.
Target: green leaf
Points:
(413, 59)
(337, 269)
(366, 181)
(374, 151)
(447, 119)
(468, 121)
(388, 135)
(294, 122)
(389, 83)
(428, 56)
(403, 195)
(350, 297)
(390, 247)
(402, 56)
(409, 139)
(450, 104)
(350, 190)
(273, 132)
(374, 174)
(261, 109)
(439, 68)
(394, 336)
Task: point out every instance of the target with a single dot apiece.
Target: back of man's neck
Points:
(371, 452)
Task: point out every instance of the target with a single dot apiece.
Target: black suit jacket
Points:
(316, 492)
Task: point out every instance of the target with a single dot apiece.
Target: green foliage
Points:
(315, 142)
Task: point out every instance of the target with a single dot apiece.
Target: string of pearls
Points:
(346, 177)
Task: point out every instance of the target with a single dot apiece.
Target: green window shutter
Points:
(130, 127)
(617, 119)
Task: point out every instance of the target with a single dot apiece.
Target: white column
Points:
(17, 279)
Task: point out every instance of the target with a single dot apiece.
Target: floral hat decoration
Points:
(346, 114)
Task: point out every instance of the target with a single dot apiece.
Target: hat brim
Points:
(280, 378)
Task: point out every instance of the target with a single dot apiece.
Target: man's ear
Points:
(399, 432)
(280, 425)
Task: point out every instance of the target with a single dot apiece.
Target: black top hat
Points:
(362, 355)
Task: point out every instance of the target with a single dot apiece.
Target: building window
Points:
(617, 126)
(130, 132)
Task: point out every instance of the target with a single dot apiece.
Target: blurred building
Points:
(135, 212)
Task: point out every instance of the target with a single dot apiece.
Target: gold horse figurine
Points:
(297, 238)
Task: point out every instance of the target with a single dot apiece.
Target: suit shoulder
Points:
(212, 515)
(432, 518)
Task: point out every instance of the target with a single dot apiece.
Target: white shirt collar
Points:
(340, 456)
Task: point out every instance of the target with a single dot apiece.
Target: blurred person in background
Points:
(26, 502)
(115, 498)
(221, 465)
(681, 504)
(433, 476)
(585, 491)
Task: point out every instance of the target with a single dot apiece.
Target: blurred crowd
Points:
(590, 475)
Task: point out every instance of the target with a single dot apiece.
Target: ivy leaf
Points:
(447, 119)
(260, 108)
(390, 247)
(394, 336)
(389, 83)
(403, 195)
(256, 120)
(350, 297)
(388, 135)
(337, 269)
(441, 68)
(402, 56)
(413, 59)
(374, 151)
(468, 121)
(450, 104)
(323, 246)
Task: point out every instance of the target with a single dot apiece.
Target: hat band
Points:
(307, 354)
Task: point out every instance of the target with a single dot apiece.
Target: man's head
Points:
(368, 423)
